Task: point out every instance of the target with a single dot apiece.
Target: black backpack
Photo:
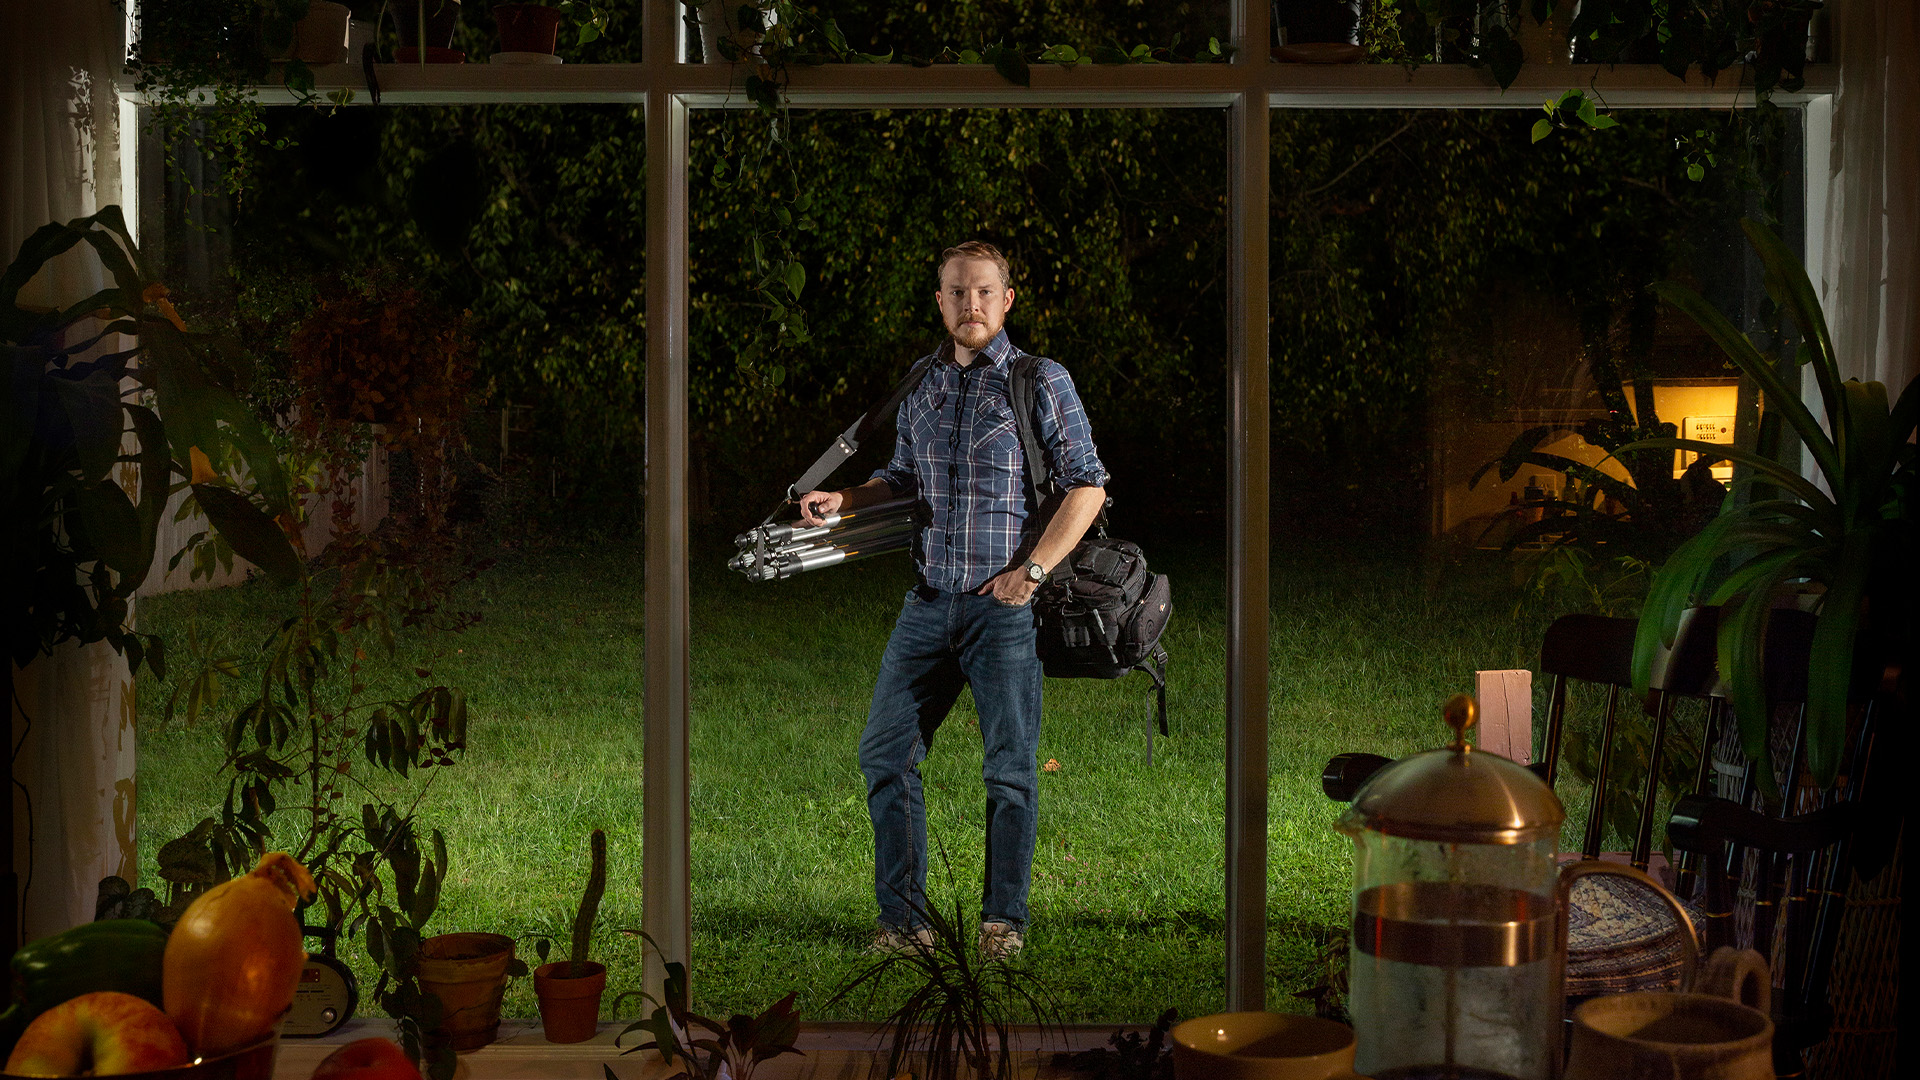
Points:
(1101, 610)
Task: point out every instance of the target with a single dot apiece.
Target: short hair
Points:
(975, 249)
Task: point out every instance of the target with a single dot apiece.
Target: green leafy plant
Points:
(737, 1046)
(591, 19)
(1642, 517)
(77, 544)
(1851, 535)
(394, 924)
(960, 1006)
(588, 912)
(197, 64)
(306, 721)
(1570, 108)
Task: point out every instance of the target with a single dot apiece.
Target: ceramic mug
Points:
(1262, 1046)
(1655, 1035)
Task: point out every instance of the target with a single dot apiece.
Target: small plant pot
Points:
(569, 1004)
(321, 36)
(527, 28)
(436, 17)
(468, 973)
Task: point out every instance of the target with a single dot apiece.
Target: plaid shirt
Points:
(958, 447)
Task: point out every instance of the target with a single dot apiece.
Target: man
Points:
(980, 556)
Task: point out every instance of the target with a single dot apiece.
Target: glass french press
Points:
(1458, 954)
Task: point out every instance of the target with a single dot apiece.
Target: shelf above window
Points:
(1086, 85)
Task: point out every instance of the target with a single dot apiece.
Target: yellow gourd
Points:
(233, 961)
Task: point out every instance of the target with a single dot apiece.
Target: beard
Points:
(972, 335)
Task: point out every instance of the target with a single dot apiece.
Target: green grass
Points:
(1127, 899)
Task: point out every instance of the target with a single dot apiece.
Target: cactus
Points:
(589, 904)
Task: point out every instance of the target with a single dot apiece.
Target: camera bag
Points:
(1101, 610)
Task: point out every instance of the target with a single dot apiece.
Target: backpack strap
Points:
(1155, 665)
(1021, 390)
(1023, 393)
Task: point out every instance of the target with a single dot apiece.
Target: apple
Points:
(367, 1059)
(101, 1033)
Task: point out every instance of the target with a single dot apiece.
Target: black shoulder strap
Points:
(1021, 388)
(849, 441)
(1023, 382)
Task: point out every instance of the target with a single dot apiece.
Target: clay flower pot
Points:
(569, 1004)
(468, 972)
(533, 28)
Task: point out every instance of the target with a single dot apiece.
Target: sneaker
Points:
(1000, 941)
(891, 940)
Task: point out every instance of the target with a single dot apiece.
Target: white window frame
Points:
(1248, 88)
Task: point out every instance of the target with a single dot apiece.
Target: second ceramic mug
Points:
(1262, 1046)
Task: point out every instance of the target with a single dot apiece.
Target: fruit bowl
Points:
(247, 1063)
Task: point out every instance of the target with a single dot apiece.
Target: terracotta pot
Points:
(527, 27)
(436, 17)
(321, 37)
(468, 973)
(569, 1004)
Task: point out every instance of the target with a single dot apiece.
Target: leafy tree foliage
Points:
(1389, 229)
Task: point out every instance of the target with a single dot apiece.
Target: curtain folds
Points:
(59, 129)
(72, 720)
(1871, 262)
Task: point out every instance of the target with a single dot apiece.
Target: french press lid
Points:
(1457, 794)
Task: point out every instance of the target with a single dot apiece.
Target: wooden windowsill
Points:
(829, 1052)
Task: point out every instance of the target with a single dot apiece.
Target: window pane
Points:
(1112, 221)
(1448, 292)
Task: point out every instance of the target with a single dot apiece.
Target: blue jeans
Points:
(941, 642)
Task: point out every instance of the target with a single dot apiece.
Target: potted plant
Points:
(527, 29)
(734, 1050)
(955, 1019)
(429, 23)
(569, 990)
(467, 971)
(1846, 541)
(197, 64)
(729, 29)
(529, 33)
(319, 36)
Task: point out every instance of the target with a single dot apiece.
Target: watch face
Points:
(1035, 573)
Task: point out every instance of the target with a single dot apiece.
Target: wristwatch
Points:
(1035, 572)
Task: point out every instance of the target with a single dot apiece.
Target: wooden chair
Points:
(1773, 878)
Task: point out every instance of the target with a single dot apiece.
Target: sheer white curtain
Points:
(72, 719)
(59, 128)
(1871, 262)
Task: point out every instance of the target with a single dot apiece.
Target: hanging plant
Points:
(198, 63)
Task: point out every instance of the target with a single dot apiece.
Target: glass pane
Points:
(367, 266)
(1112, 222)
(1449, 292)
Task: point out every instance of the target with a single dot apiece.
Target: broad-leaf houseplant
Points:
(1849, 538)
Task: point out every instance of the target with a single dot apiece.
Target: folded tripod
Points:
(770, 552)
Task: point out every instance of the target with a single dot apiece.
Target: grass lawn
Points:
(1127, 900)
